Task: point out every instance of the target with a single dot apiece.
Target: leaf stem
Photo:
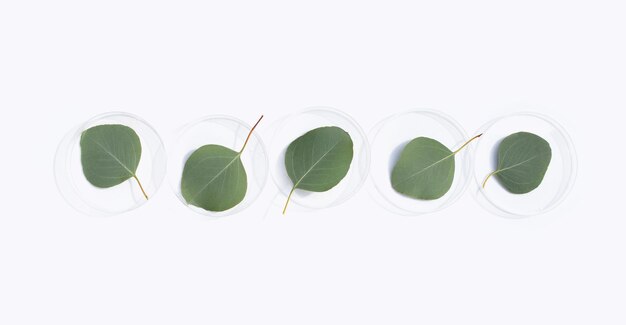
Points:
(250, 134)
(141, 187)
(288, 199)
(466, 143)
(489, 176)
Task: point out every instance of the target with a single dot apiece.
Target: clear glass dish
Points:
(231, 133)
(297, 124)
(90, 200)
(558, 181)
(388, 138)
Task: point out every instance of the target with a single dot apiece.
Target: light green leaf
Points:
(318, 160)
(523, 159)
(425, 169)
(214, 178)
(110, 155)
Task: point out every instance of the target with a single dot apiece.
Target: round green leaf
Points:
(425, 170)
(214, 178)
(110, 154)
(523, 159)
(318, 160)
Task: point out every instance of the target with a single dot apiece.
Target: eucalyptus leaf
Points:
(523, 159)
(214, 177)
(425, 169)
(110, 155)
(318, 160)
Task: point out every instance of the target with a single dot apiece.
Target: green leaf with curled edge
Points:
(318, 160)
(214, 177)
(523, 159)
(110, 155)
(425, 169)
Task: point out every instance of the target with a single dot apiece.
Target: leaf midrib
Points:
(427, 167)
(193, 198)
(114, 157)
(516, 165)
(315, 164)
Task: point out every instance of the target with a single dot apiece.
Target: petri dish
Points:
(228, 132)
(387, 140)
(297, 124)
(90, 200)
(557, 183)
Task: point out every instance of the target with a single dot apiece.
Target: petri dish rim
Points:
(481, 197)
(467, 160)
(366, 151)
(66, 145)
(175, 179)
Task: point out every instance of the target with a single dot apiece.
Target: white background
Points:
(62, 62)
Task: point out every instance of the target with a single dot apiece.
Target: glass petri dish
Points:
(90, 200)
(557, 183)
(388, 138)
(231, 133)
(297, 124)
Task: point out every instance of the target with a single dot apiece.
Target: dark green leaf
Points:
(110, 155)
(425, 169)
(523, 159)
(214, 178)
(318, 160)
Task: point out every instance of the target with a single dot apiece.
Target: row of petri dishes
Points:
(374, 155)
